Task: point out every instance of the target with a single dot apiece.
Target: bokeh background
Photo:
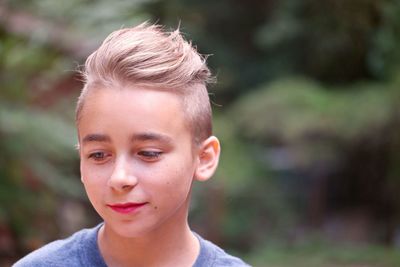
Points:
(307, 107)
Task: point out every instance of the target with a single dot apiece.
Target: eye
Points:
(149, 155)
(98, 156)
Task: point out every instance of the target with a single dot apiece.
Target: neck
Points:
(172, 244)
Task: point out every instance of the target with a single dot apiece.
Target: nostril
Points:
(126, 186)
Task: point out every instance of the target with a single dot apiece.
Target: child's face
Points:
(137, 158)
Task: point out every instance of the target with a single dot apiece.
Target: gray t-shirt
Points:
(81, 249)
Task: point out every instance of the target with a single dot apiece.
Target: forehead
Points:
(130, 111)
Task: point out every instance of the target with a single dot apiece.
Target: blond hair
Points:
(147, 56)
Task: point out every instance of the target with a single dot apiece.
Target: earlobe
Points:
(208, 158)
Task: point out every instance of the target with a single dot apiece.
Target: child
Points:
(144, 129)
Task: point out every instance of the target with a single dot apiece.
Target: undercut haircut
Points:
(149, 57)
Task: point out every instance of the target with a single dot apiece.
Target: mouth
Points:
(126, 208)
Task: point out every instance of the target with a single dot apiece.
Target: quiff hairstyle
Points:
(147, 56)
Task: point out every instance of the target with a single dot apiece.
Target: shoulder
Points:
(213, 256)
(65, 252)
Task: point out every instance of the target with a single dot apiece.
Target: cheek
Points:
(94, 189)
(166, 178)
(178, 180)
(90, 171)
(93, 178)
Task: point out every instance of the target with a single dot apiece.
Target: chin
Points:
(128, 229)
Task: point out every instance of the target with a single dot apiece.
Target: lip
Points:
(126, 208)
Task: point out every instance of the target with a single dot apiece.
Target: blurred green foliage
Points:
(322, 254)
(296, 109)
(309, 123)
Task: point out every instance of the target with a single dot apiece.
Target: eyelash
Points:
(97, 156)
(145, 155)
(150, 155)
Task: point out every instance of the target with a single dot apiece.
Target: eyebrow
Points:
(96, 138)
(151, 137)
(141, 137)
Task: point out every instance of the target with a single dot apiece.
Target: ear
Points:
(208, 158)
(78, 149)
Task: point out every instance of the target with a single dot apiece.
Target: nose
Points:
(122, 178)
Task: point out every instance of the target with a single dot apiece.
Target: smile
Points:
(126, 208)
